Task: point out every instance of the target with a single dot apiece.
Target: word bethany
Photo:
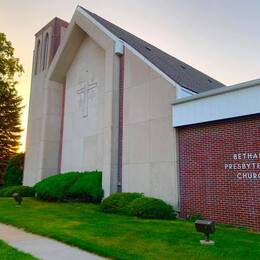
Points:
(246, 156)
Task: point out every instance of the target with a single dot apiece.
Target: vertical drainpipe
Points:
(61, 126)
(120, 51)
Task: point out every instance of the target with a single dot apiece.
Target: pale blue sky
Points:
(218, 37)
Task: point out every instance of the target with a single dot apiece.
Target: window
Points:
(37, 59)
(45, 52)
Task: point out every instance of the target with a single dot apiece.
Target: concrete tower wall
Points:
(85, 62)
(45, 49)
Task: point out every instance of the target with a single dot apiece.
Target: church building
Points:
(104, 99)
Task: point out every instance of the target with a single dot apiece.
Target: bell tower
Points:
(47, 41)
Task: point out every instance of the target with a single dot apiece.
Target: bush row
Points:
(136, 204)
(23, 190)
(87, 187)
(72, 186)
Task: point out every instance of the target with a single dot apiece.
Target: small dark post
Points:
(207, 227)
(18, 198)
(207, 237)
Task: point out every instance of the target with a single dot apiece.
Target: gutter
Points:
(120, 52)
(61, 127)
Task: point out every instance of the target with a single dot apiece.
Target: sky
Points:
(219, 37)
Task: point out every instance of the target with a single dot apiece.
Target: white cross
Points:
(86, 92)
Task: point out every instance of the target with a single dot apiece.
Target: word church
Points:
(104, 99)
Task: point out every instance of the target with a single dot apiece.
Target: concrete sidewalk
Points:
(42, 247)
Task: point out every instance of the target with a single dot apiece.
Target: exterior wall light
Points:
(207, 227)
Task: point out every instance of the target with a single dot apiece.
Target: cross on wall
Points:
(86, 94)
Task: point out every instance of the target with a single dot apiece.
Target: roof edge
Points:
(219, 91)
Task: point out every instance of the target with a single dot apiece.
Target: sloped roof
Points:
(183, 74)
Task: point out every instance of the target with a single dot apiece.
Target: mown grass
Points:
(122, 237)
(9, 253)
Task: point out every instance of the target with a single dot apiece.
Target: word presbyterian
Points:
(242, 166)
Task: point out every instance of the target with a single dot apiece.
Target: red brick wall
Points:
(211, 171)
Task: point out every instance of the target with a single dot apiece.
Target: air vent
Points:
(209, 80)
(183, 67)
(148, 48)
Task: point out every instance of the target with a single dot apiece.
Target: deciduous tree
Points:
(10, 102)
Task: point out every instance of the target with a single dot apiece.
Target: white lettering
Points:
(247, 161)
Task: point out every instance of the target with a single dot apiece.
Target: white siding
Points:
(229, 104)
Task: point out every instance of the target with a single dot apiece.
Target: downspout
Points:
(120, 51)
(61, 126)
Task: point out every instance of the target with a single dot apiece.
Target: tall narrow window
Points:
(37, 57)
(45, 52)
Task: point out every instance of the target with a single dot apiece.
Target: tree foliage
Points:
(14, 171)
(10, 102)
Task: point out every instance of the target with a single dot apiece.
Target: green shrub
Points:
(88, 188)
(117, 203)
(151, 208)
(23, 190)
(54, 188)
(13, 174)
(85, 186)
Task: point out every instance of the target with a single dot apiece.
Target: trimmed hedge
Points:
(88, 187)
(72, 186)
(54, 188)
(136, 204)
(151, 208)
(117, 203)
(13, 175)
(23, 190)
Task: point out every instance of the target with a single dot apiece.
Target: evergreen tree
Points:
(10, 103)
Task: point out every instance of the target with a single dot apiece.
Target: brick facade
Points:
(220, 171)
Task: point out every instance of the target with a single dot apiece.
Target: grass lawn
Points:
(123, 237)
(9, 253)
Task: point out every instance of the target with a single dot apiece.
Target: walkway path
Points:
(42, 247)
